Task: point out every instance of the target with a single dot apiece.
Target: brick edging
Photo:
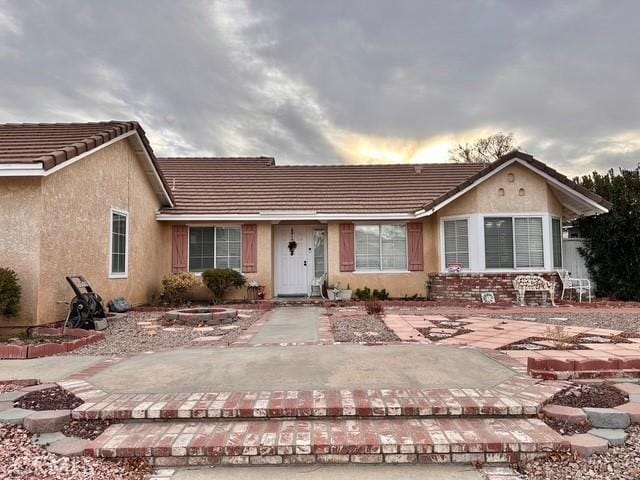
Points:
(21, 352)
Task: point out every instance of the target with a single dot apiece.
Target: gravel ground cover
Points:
(88, 429)
(618, 463)
(126, 335)
(364, 329)
(614, 319)
(22, 460)
(54, 398)
(601, 395)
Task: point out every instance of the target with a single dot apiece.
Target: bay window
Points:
(456, 242)
(381, 247)
(513, 242)
(556, 235)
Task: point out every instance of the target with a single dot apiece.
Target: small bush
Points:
(374, 307)
(362, 294)
(219, 280)
(10, 292)
(366, 294)
(175, 287)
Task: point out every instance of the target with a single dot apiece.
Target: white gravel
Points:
(613, 319)
(128, 335)
(20, 459)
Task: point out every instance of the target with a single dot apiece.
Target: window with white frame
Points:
(456, 242)
(119, 233)
(381, 247)
(556, 235)
(214, 247)
(513, 242)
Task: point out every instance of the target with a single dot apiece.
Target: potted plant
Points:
(334, 293)
(346, 294)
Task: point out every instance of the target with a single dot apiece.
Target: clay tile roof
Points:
(254, 185)
(52, 144)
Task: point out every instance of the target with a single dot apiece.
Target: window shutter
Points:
(250, 248)
(347, 263)
(416, 257)
(179, 248)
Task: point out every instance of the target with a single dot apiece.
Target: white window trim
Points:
(214, 226)
(380, 270)
(470, 243)
(124, 274)
(546, 251)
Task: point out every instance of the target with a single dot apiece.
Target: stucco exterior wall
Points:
(264, 275)
(397, 284)
(76, 226)
(20, 216)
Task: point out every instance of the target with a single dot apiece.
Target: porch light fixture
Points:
(292, 244)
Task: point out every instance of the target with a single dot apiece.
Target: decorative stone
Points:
(69, 446)
(227, 327)
(14, 415)
(595, 340)
(574, 416)
(632, 409)
(204, 329)
(607, 418)
(12, 396)
(613, 436)
(45, 439)
(47, 421)
(586, 445)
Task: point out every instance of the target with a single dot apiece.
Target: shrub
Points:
(380, 294)
(374, 307)
(10, 291)
(219, 280)
(175, 287)
(366, 294)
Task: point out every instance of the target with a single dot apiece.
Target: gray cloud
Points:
(295, 79)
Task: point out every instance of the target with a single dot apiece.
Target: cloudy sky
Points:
(334, 80)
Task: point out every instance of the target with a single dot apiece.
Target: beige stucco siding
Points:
(76, 223)
(20, 216)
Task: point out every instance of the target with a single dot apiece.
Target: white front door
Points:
(294, 272)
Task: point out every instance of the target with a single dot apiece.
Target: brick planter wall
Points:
(83, 338)
(467, 287)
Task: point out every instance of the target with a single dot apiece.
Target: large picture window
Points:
(513, 242)
(456, 242)
(381, 247)
(214, 247)
(119, 233)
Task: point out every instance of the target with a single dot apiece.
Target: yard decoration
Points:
(10, 292)
(220, 280)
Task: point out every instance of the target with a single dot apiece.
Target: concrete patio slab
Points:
(303, 368)
(335, 472)
(46, 369)
(290, 325)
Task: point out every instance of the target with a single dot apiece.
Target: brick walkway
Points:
(330, 441)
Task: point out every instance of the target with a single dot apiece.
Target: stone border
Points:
(557, 369)
(21, 352)
(208, 315)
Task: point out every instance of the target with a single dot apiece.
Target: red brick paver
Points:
(330, 441)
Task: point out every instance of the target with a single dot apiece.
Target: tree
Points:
(612, 240)
(484, 150)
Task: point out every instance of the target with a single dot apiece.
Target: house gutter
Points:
(281, 216)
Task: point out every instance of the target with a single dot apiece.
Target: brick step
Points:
(330, 441)
(524, 400)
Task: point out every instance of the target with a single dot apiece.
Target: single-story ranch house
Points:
(93, 199)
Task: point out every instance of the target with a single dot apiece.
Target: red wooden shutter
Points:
(179, 248)
(416, 257)
(347, 262)
(250, 248)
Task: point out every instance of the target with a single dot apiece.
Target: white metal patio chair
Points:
(579, 285)
(318, 283)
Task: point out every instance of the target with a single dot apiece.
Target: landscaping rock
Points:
(613, 436)
(14, 416)
(45, 439)
(585, 445)
(607, 417)
(69, 447)
(47, 421)
(12, 396)
(574, 416)
(632, 409)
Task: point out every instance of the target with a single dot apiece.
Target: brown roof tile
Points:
(253, 185)
(52, 144)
